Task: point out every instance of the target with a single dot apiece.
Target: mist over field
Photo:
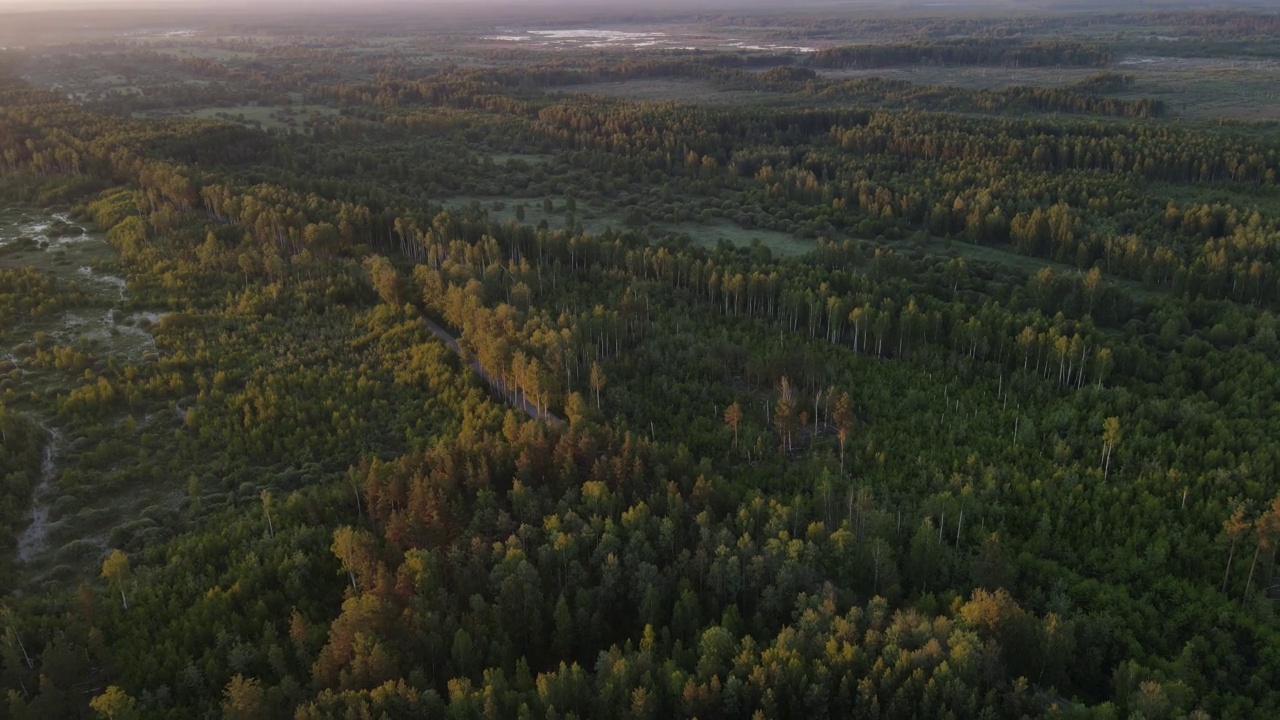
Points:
(60, 18)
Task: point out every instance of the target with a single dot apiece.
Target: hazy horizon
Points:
(561, 5)
(39, 22)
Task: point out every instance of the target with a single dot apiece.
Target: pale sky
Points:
(351, 5)
(475, 6)
(354, 6)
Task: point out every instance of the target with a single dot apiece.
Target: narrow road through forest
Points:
(518, 402)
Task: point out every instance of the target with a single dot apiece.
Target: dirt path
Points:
(520, 403)
(32, 540)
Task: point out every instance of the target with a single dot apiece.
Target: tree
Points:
(925, 555)
(990, 568)
(881, 556)
(384, 279)
(995, 615)
(323, 239)
(208, 252)
(1057, 641)
(955, 270)
(1102, 363)
(1267, 531)
(842, 415)
(1092, 284)
(1110, 438)
(575, 408)
(244, 699)
(353, 548)
(115, 570)
(247, 265)
(115, 704)
(8, 616)
(265, 496)
(597, 381)
(733, 418)
(1235, 527)
(783, 411)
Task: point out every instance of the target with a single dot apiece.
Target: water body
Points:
(618, 39)
(74, 256)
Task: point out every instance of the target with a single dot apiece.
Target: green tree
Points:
(783, 412)
(265, 497)
(926, 554)
(115, 570)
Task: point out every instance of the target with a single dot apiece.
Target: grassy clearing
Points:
(711, 234)
(698, 92)
(90, 512)
(970, 76)
(1261, 198)
(596, 220)
(207, 52)
(1207, 88)
(993, 255)
(985, 254)
(267, 117)
(532, 159)
(1196, 88)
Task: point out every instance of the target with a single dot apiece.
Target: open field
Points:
(532, 159)
(504, 209)
(596, 220)
(969, 76)
(1206, 88)
(1196, 88)
(267, 117)
(1249, 198)
(701, 92)
(711, 234)
(992, 255)
(207, 52)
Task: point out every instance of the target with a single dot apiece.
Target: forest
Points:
(777, 366)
